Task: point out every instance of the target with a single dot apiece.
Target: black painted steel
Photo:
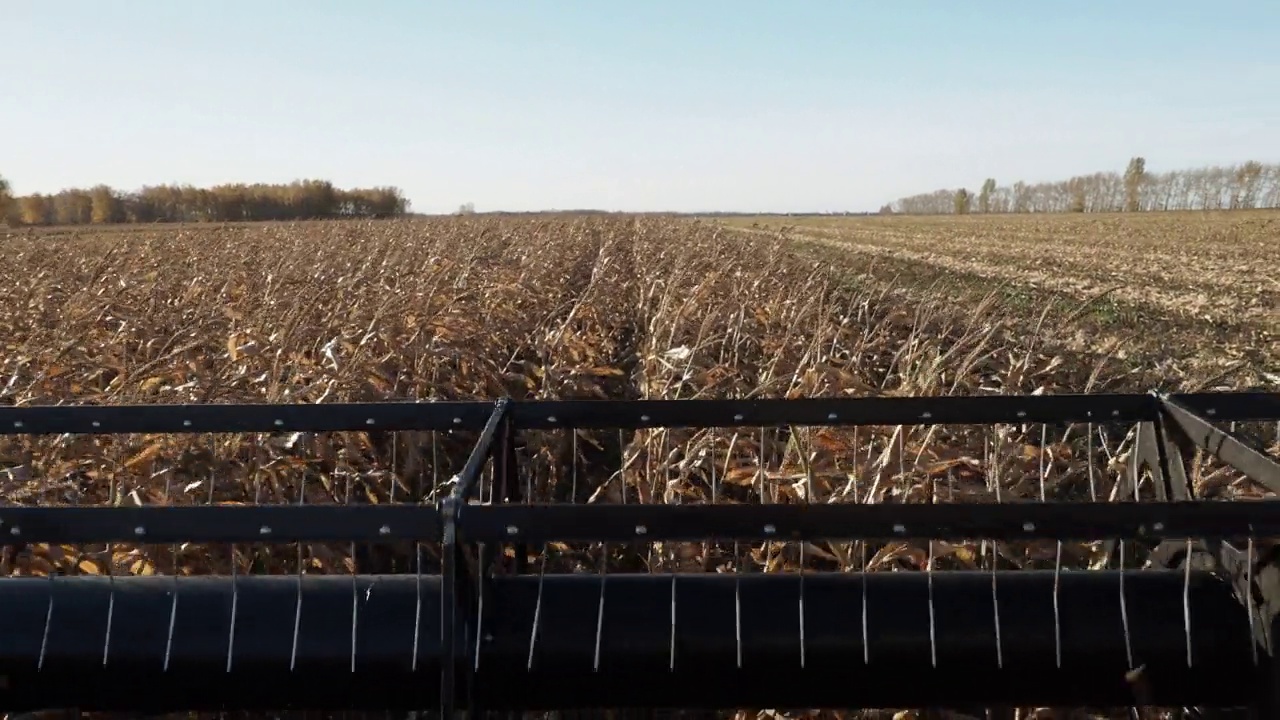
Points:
(1226, 446)
(214, 418)
(220, 523)
(766, 640)
(543, 414)
(538, 523)
(635, 650)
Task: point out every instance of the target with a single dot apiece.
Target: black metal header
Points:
(621, 523)
(220, 523)
(949, 521)
(628, 414)
(454, 520)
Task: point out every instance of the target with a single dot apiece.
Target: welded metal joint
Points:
(1195, 431)
(1254, 576)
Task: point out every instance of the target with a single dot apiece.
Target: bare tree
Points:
(984, 196)
(299, 200)
(1245, 186)
(1134, 174)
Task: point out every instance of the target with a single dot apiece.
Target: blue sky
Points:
(794, 105)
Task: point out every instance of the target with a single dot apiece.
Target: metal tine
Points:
(928, 570)
(648, 479)
(738, 562)
(1186, 600)
(1057, 556)
(393, 478)
(1057, 608)
(995, 548)
(604, 576)
(48, 615)
(1124, 611)
(715, 484)
(537, 609)
(493, 490)
(235, 588)
(671, 662)
(902, 460)
(113, 488)
(235, 602)
(297, 611)
(808, 498)
(355, 589)
(760, 467)
(1248, 606)
(1093, 487)
(1137, 466)
(173, 607)
(48, 623)
(417, 611)
(862, 557)
(737, 567)
(213, 455)
(672, 558)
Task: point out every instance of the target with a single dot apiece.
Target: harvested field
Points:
(479, 307)
(1196, 288)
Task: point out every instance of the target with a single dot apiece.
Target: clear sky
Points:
(789, 105)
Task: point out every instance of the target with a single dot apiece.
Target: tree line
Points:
(1245, 186)
(299, 200)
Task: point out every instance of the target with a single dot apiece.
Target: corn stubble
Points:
(477, 308)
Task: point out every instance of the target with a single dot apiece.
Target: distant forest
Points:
(1245, 186)
(300, 200)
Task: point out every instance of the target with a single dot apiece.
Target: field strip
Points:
(1196, 304)
(1174, 268)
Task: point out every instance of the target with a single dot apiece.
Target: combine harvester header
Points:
(481, 620)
